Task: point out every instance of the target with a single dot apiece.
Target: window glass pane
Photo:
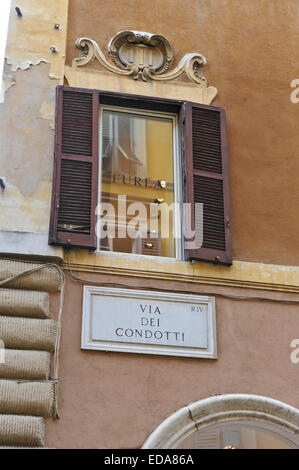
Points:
(137, 184)
(237, 436)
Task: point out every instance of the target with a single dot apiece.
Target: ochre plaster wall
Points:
(251, 49)
(32, 73)
(115, 400)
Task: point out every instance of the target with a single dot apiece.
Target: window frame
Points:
(177, 177)
(71, 102)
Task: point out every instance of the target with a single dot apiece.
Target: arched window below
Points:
(238, 434)
(229, 422)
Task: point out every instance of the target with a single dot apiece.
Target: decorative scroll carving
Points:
(189, 64)
(141, 55)
(91, 51)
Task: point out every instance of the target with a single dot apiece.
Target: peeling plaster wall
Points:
(31, 75)
(26, 159)
(31, 36)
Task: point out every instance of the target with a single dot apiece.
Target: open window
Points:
(139, 183)
(121, 161)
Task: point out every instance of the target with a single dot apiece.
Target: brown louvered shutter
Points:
(206, 180)
(75, 181)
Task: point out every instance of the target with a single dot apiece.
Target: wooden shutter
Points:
(206, 179)
(75, 181)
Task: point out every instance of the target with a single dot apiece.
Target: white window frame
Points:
(177, 172)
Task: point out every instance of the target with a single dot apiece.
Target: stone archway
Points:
(191, 419)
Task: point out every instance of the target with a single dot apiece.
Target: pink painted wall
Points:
(115, 400)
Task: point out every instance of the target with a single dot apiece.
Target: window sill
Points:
(136, 257)
(240, 274)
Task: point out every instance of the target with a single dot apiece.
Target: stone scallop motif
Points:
(142, 56)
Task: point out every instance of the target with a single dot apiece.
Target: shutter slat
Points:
(75, 174)
(72, 210)
(77, 123)
(206, 141)
(207, 180)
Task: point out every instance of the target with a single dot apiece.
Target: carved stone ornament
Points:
(141, 55)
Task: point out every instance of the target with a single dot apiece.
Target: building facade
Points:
(184, 339)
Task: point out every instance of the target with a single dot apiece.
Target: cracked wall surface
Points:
(31, 36)
(31, 74)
